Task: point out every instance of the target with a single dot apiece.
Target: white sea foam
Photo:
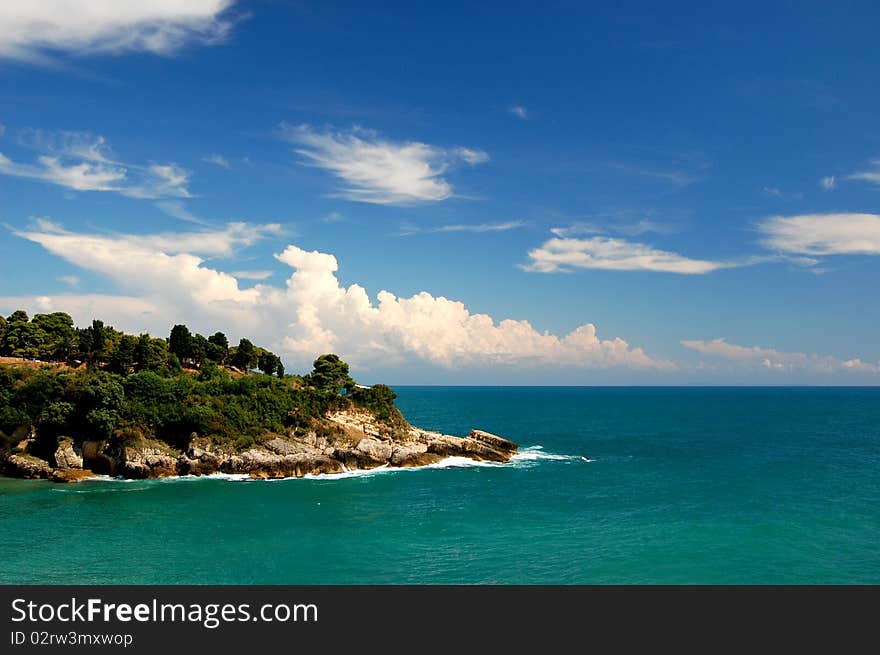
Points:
(525, 458)
(533, 454)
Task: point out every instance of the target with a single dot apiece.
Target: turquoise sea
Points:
(614, 485)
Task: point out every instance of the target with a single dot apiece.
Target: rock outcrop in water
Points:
(348, 440)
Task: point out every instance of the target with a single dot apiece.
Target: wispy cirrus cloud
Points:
(776, 192)
(612, 254)
(775, 360)
(676, 177)
(871, 175)
(252, 275)
(84, 162)
(35, 30)
(378, 170)
(823, 234)
(217, 160)
(475, 228)
(630, 229)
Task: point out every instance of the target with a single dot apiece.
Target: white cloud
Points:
(576, 229)
(177, 209)
(218, 160)
(605, 253)
(311, 314)
(252, 275)
(829, 183)
(212, 243)
(782, 195)
(381, 171)
(823, 234)
(471, 156)
(481, 227)
(519, 111)
(677, 178)
(84, 162)
(872, 176)
(772, 359)
(631, 229)
(475, 228)
(34, 29)
(72, 280)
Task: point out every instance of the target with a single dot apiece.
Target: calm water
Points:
(628, 486)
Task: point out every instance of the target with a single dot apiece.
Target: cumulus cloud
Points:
(774, 360)
(378, 170)
(84, 162)
(166, 280)
(605, 253)
(823, 234)
(33, 30)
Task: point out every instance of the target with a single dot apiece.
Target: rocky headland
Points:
(344, 441)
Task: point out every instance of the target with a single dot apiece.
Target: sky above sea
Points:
(455, 193)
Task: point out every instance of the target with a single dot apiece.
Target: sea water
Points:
(612, 485)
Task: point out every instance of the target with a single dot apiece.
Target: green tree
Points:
(180, 342)
(330, 373)
(219, 350)
(16, 335)
(100, 403)
(149, 353)
(92, 342)
(245, 357)
(199, 350)
(270, 363)
(54, 335)
(123, 357)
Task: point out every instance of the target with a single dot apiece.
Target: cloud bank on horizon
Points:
(169, 281)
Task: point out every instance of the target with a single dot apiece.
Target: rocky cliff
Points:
(344, 441)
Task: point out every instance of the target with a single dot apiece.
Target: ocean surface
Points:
(613, 485)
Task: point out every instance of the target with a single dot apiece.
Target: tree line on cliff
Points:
(130, 387)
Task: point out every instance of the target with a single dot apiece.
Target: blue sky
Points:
(568, 194)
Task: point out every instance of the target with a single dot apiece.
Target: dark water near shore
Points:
(615, 485)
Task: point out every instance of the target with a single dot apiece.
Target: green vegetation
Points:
(120, 386)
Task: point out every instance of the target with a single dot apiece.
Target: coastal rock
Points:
(281, 446)
(96, 459)
(262, 463)
(483, 448)
(413, 455)
(378, 451)
(67, 457)
(493, 440)
(198, 461)
(70, 475)
(24, 466)
(147, 463)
